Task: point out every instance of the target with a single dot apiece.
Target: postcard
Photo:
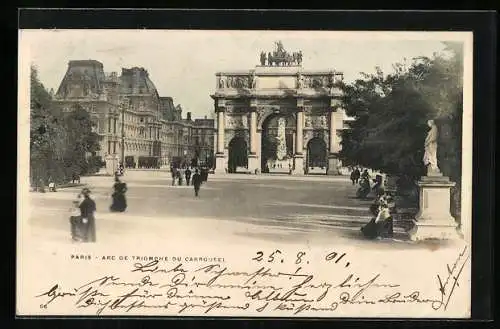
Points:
(321, 174)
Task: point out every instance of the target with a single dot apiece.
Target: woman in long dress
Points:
(381, 225)
(119, 201)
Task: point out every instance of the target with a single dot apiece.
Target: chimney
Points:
(188, 116)
(205, 117)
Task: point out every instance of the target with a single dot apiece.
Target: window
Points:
(114, 126)
(109, 125)
(109, 147)
(114, 147)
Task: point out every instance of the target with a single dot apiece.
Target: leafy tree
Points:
(47, 135)
(391, 111)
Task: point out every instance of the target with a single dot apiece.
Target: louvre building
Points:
(155, 133)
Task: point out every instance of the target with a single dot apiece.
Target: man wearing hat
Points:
(87, 209)
(197, 180)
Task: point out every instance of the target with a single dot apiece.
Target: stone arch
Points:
(262, 115)
(317, 152)
(232, 133)
(323, 134)
(237, 153)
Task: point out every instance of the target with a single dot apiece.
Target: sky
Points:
(182, 64)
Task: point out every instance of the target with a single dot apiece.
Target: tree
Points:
(391, 111)
(47, 134)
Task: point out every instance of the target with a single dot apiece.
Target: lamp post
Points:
(123, 133)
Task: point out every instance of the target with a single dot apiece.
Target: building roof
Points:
(136, 81)
(88, 74)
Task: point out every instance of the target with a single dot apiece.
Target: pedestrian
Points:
(52, 185)
(87, 209)
(179, 177)
(75, 219)
(188, 175)
(197, 180)
(357, 175)
(204, 174)
(119, 201)
(173, 172)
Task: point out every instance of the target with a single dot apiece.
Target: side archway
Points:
(237, 154)
(317, 153)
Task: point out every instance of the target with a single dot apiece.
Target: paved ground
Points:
(231, 208)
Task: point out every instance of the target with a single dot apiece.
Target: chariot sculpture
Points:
(280, 57)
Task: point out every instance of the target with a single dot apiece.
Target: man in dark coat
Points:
(188, 175)
(356, 175)
(87, 209)
(197, 180)
(173, 171)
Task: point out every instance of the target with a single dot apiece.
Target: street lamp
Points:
(123, 132)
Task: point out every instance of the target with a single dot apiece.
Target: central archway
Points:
(317, 160)
(237, 154)
(277, 142)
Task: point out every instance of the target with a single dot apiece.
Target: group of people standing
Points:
(192, 176)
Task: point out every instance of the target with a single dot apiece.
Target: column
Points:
(253, 159)
(299, 134)
(298, 158)
(253, 131)
(220, 158)
(220, 132)
(333, 161)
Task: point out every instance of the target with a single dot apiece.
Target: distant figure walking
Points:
(119, 201)
(173, 171)
(87, 209)
(355, 175)
(188, 176)
(197, 180)
(179, 177)
(75, 179)
(52, 185)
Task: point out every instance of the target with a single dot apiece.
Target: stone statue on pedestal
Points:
(430, 155)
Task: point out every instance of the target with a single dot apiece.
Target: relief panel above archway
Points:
(316, 133)
(236, 121)
(315, 122)
(229, 135)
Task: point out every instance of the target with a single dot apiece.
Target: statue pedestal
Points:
(434, 221)
(112, 163)
(298, 164)
(333, 165)
(220, 163)
(253, 163)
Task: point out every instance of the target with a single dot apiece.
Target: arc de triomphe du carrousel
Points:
(300, 110)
